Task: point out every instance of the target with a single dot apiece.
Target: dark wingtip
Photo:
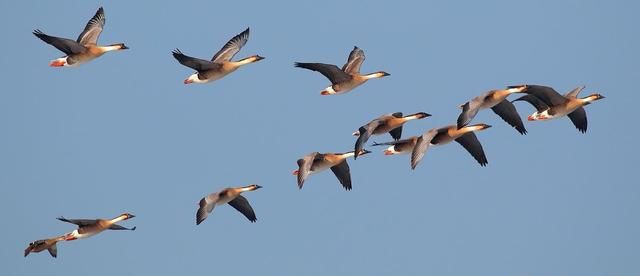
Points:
(37, 32)
(134, 228)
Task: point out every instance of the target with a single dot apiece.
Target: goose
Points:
(48, 244)
(316, 162)
(550, 104)
(465, 136)
(91, 227)
(345, 79)
(84, 48)
(418, 145)
(221, 63)
(228, 195)
(497, 101)
(391, 123)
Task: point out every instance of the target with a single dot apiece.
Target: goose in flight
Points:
(550, 104)
(497, 101)
(48, 244)
(91, 227)
(220, 65)
(83, 49)
(316, 162)
(465, 136)
(391, 123)
(228, 195)
(418, 145)
(345, 79)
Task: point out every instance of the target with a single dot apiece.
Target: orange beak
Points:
(388, 152)
(531, 118)
(324, 93)
(295, 172)
(187, 81)
(57, 63)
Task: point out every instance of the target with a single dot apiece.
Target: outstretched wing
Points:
(421, 147)
(507, 111)
(241, 204)
(545, 93)
(365, 132)
(232, 47)
(356, 58)
(206, 206)
(332, 72)
(343, 174)
(194, 63)
(119, 227)
(53, 250)
(579, 119)
(535, 101)
(79, 222)
(304, 167)
(574, 93)
(470, 142)
(93, 29)
(65, 45)
(469, 111)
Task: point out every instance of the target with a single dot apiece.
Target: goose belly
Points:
(85, 235)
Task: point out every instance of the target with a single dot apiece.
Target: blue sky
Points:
(123, 133)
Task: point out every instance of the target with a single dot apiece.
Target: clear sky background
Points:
(124, 134)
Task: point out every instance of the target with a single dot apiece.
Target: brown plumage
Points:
(388, 123)
(550, 104)
(90, 227)
(221, 64)
(48, 244)
(345, 79)
(316, 162)
(85, 48)
(227, 195)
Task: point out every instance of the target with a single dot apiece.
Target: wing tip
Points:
(38, 33)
